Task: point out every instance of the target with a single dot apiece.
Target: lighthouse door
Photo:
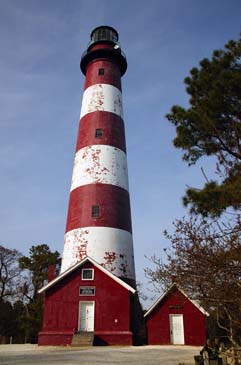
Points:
(86, 316)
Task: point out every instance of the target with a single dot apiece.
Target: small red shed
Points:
(87, 298)
(175, 319)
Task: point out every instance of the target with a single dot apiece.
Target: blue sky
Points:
(41, 86)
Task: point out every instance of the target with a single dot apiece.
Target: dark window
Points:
(101, 71)
(98, 133)
(95, 211)
(87, 274)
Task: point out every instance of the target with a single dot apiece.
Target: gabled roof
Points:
(79, 264)
(168, 291)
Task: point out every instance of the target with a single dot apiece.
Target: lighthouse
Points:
(99, 217)
(94, 300)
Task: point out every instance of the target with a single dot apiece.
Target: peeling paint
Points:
(102, 97)
(110, 257)
(124, 264)
(81, 252)
(110, 247)
(97, 164)
(100, 164)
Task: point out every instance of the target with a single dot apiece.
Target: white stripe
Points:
(110, 247)
(102, 97)
(100, 164)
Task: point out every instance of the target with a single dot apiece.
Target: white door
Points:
(176, 328)
(86, 316)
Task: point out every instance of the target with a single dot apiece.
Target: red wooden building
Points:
(175, 319)
(89, 298)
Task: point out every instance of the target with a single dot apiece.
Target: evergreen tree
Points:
(211, 126)
(38, 262)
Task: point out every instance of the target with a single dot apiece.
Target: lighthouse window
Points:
(95, 211)
(87, 274)
(98, 133)
(101, 71)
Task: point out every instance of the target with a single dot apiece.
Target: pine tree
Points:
(211, 126)
(38, 262)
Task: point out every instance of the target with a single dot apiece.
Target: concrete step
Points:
(83, 339)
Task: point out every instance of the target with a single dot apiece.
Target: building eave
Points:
(79, 264)
(155, 304)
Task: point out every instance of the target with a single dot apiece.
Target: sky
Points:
(41, 43)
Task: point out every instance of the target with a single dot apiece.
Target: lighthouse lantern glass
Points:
(104, 34)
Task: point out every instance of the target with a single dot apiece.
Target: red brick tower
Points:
(99, 218)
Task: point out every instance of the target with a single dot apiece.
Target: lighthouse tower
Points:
(99, 218)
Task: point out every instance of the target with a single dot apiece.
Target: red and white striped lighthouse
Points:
(99, 218)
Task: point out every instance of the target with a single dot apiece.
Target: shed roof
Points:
(79, 264)
(168, 291)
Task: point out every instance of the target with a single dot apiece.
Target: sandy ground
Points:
(144, 355)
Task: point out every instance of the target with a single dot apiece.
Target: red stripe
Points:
(101, 46)
(113, 132)
(114, 206)
(111, 74)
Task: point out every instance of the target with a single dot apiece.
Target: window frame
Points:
(101, 71)
(99, 130)
(94, 211)
(85, 270)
